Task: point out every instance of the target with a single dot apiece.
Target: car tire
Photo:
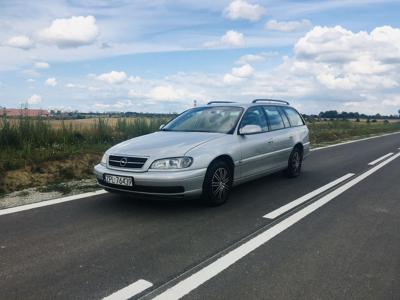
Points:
(217, 183)
(294, 163)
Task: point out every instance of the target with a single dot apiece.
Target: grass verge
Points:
(40, 153)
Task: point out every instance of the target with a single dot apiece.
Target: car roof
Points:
(247, 105)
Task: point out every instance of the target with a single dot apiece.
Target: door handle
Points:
(270, 141)
(291, 137)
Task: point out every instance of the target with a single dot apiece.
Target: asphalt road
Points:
(341, 244)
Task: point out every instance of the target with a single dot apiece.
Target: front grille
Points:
(127, 162)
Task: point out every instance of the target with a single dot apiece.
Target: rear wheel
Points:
(217, 183)
(294, 163)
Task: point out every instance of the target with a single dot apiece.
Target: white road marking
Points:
(12, 210)
(281, 210)
(380, 159)
(187, 285)
(130, 291)
(354, 141)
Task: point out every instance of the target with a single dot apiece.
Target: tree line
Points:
(334, 114)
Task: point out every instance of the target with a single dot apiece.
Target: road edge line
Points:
(354, 141)
(20, 208)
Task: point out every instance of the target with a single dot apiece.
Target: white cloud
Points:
(41, 65)
(238, 74)
(20, 41)
(343, 60)
(31, 73)
(230, 39)
(72, 32)
(34, 99)
(240, 9)
(288, 26)
(51, 82)
(134, 79)
(230, 79)
(166, 93)
(30, 80)
(243, 71)
(102, 106)
(169, 93)
(233, 38)
(250, 58)
(113, 77)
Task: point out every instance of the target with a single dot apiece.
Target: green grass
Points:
(322, 133)
(29, 141)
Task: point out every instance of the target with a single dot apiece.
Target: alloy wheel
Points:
(220, 183)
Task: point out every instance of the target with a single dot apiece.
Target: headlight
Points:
(104, 160)
(172, 163)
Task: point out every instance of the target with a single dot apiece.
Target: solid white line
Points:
(187, 285)
(12, 210)
(354, 141)
(380, 159)
(130, 291)
(289, 206)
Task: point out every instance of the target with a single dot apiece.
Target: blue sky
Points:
(159, 56)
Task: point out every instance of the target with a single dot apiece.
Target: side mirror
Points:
(162, 126)
(250, 129)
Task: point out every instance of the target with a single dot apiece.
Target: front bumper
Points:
(175, 184)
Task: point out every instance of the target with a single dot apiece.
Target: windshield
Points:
(206, 119)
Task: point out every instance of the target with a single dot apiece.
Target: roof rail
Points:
(270, 100)
(214, 102)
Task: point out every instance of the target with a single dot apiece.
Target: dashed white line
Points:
(49, 202)
(130, 291)
(281, 210)
(187, 285)
(380, 159)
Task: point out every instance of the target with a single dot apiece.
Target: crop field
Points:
(38, 152)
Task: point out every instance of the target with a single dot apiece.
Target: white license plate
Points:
(119, 180)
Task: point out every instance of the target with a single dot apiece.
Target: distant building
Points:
(26, 112)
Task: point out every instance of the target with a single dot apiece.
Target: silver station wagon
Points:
(207, 150)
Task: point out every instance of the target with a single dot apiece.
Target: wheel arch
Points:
(226, 158)
(300, 147)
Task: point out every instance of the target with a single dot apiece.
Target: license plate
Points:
(119, 180)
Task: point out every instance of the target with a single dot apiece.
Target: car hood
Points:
(163, 144)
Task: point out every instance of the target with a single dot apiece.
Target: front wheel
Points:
(217, 183)
(294, 163)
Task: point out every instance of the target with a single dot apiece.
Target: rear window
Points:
(294, 117)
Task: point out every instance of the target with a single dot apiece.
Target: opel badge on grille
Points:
(123, 162)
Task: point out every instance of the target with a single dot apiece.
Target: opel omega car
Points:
(207, 150)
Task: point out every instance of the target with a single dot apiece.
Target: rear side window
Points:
(294, 117)
(284, 117)
(274, 118)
